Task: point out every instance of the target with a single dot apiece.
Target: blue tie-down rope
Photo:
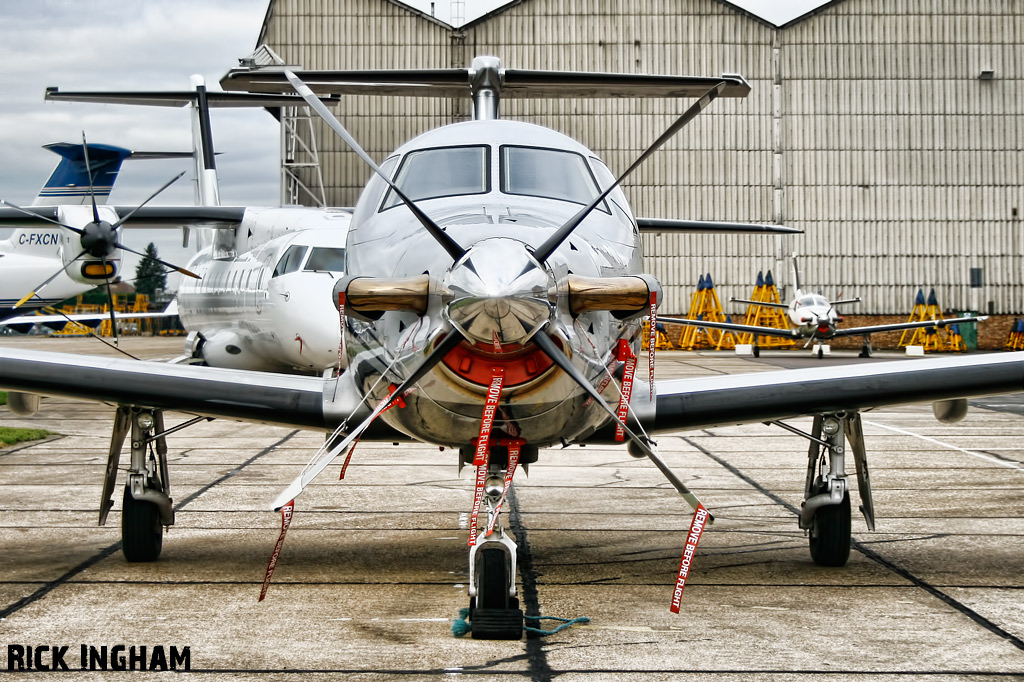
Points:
(461, 628)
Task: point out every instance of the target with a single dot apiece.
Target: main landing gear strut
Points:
(146, 507)
(825, 512)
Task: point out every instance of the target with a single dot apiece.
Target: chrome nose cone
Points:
(499, 293)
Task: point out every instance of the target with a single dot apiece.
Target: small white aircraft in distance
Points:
(816, 319)
(494, 295)
(31, 254)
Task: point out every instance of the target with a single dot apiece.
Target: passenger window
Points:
(327, 259)
(290, 261)
(441, 172)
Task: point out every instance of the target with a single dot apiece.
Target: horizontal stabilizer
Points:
(177, 98)
(515, 83)
(662, 225)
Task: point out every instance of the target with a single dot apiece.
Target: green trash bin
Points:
(969, 331)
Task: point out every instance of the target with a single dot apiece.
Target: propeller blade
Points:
(110, 300)
(321, 460)
(439, 235)
(27, 212)
(151, 196)
(160, 261)
(559, 358)
(551, 243)
(48, 280)
(88, 169)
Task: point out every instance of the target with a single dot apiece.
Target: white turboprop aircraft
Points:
(32, 254)
(493, 297)
(816, 319)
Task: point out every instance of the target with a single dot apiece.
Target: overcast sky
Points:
(146, 44)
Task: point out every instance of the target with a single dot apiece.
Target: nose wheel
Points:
(494, 613)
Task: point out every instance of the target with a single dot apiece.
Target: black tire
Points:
(821, 353)
(757, 352)
(493, 614)
(142, 533)
(492, 590)
(830, 534)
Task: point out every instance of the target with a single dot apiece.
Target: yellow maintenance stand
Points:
(765, 291)
(704, 305)
(931, 339)
(1015, 339)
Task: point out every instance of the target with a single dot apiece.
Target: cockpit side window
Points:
(442, 172)
(290, 261)
(325, 258)
(547, 173)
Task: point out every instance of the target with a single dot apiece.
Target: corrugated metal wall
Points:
(867, 126)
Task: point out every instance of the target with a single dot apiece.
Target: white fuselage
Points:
(813, 316)
(264, 298)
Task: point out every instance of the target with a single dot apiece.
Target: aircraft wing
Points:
(733, 327)
(318, 403)
(667, 226)
(745, 398)
(765, 304)
(858, 331)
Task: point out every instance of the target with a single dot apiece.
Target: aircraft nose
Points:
(499, 293)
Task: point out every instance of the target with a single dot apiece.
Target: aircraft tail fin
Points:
(69, 182)
(796, 274)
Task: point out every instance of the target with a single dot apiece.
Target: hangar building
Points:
(891, 131)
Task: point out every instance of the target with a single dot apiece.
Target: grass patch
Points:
(10, 435)
(3, 398)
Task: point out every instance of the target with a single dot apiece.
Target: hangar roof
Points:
(780, 13)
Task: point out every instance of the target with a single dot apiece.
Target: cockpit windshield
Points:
(812, 300)
(547, 173)
(442, 172)
(324, 258)
(290, 260)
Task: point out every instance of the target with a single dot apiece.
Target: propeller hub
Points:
(499, 293)
(99, 239)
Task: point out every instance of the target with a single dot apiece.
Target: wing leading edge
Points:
(747, 398)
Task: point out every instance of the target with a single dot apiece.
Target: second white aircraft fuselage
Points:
(264, 300)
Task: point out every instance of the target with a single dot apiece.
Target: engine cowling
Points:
(23, 404)
(950, 411)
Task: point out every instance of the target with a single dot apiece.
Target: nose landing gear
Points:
(494, 611)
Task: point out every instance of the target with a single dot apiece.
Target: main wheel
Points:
(830, 534)
(142, 533)
(757, 352)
